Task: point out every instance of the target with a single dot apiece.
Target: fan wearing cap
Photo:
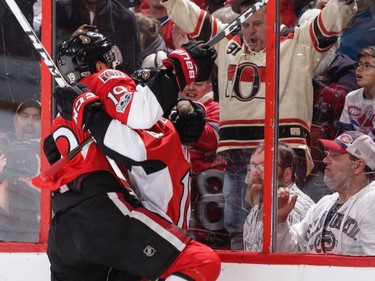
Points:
(343, 222)
(26, 121)
(242, 68)
(19, 161)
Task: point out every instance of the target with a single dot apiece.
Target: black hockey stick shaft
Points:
(56, 167)
(234, 24)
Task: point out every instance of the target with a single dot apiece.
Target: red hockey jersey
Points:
(123, 100)
(153, 160)
(157, 166)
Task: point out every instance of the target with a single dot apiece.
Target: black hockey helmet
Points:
(77, 56)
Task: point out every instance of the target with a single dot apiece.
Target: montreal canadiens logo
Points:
(354, 111)
(346, 139)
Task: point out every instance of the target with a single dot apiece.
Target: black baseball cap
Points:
(28, 103)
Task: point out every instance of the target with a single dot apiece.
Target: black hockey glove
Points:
(191, 63)
(203, 56)
(64, 98)
(189, 123)
(50, 149)
(84, 108)
(77, 103)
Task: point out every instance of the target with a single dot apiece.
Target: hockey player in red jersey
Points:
(96, 220)
(82, 55)
(90, 58)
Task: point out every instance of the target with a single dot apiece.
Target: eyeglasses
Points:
(253, 167)
(332, 154)
(365, 66)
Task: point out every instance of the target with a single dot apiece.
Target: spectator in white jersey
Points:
(241, 79)
(341, 223)
(253, 227)
(359, 108)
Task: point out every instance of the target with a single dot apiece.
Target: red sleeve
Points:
(210, 135)
(122, 101)
(67, 135)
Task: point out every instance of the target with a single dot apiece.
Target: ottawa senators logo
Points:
(246, 79)
(110, 74)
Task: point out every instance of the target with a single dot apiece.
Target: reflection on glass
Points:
(314, 81)
(313, 87)
(19, 126)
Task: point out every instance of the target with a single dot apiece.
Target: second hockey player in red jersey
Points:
(93, 212)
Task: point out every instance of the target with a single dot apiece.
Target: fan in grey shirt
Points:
(253, 227)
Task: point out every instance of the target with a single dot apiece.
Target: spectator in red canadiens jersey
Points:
(203, 151)
(89, 199)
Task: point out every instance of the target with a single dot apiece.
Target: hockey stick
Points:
(233, 25)
(36, 42)
(62, 83)
(57, 166)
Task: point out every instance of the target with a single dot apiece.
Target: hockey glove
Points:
(50, 149)
(191, 63)
(184, 66)
(84, 108)
(64, 98)
(203, 56)
(189, 124)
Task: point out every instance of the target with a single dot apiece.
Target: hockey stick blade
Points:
(233, 25)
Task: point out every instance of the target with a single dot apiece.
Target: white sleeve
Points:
(366, 223)
(344, 118)
(293, 238)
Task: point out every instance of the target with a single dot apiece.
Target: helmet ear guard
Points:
(68, 67)
(78, 55)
